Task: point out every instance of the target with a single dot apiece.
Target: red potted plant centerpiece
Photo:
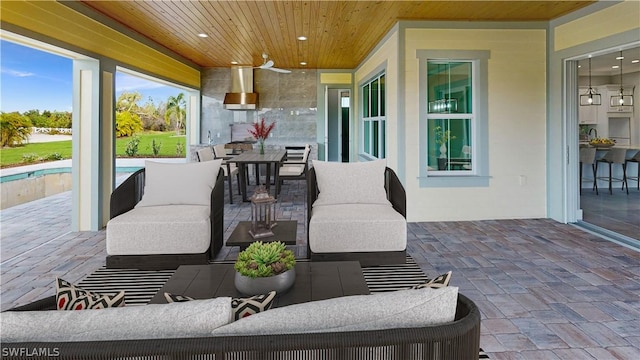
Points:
(261, 132)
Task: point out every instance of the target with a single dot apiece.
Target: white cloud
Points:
(131, 83)
(16, 73)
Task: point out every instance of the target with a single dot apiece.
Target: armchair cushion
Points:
(348, 228)
(164, 183)
(350, 183)
(147, 230)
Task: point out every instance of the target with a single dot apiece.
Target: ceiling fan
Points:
(268, 65)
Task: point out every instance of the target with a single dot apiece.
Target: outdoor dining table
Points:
(270, 157)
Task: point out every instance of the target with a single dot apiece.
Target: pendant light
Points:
(621, 99)
(591, 97)
(447, 104)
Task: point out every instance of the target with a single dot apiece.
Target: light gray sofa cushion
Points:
(173, 229)
(356, 228)
(177, 320)
(179, 184)
(398, 309)
(350, 183)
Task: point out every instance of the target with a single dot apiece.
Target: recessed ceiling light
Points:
(234, 63)
(635, 61)
(615, 66)
(303, 63)
(203, 35)
(302, 38)
(619, 57)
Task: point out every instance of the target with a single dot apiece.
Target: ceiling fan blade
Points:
(266, 65)
(283, 71)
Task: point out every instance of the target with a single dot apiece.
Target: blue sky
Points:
(34, 79)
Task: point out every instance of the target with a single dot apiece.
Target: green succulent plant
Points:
(264, 259)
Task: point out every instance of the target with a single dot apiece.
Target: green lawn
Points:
(169, 140)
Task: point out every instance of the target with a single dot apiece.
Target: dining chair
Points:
(614, 156)
(230, 169)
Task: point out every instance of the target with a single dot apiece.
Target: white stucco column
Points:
(86, 146)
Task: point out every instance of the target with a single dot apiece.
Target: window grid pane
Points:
(367, 137)
(374, 98)
(365, 99)
(382, 97)
(375, 138)
(450, 145)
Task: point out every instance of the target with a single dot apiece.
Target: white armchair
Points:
(167, 215)
(356, 211)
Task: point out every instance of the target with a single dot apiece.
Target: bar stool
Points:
(615, 156)
(634, 159)
(588, 157)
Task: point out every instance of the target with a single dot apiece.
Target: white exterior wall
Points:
(517, 117)
(386, 52)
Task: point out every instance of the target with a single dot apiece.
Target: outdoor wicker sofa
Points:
(459, 339)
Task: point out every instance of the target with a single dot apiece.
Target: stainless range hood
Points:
(241, 96)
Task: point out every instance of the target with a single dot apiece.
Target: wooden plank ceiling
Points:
(340, 33)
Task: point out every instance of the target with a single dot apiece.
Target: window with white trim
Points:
(453, 118)
(374, 117)
(450, 116)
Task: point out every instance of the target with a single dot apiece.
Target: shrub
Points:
(14, 129)
(179, 149)
(30, 158)
(155, 147)
(127, 124)
(132, 146)
(53, 156)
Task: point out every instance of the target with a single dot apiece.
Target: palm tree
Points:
(176, 105)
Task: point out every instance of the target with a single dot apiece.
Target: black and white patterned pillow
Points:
(240, 307)
(243, 307)
(171, 298)
(439, 282)
(71, 297)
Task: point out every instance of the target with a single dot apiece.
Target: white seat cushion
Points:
(174, 229)
(356, 228)
(291, 170)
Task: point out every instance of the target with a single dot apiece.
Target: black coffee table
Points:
(314, 281)
(285, 231)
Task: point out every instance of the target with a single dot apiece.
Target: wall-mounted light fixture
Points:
(621, 99)
(591, 97)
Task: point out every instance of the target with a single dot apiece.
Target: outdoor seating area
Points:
(488, 278)
(320, 180)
